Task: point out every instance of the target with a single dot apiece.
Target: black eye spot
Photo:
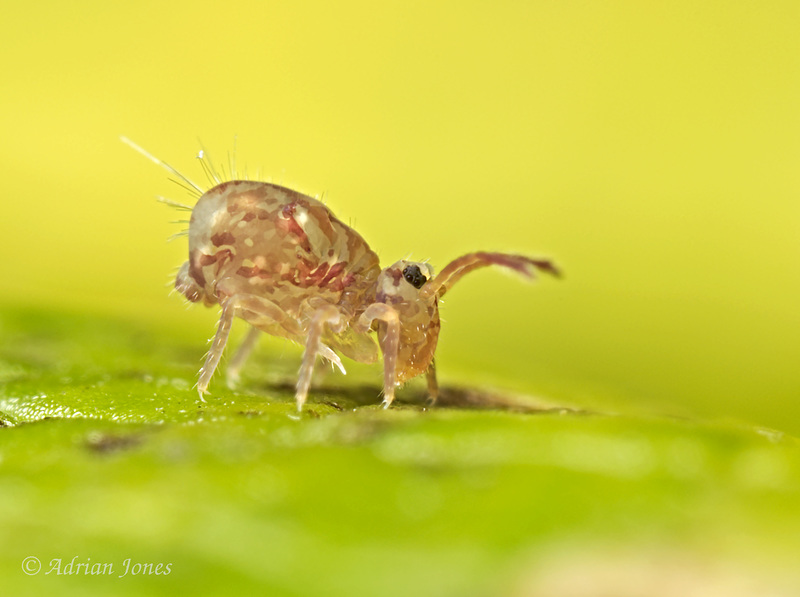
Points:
(413, 276)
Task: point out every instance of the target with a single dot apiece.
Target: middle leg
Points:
(325, 315)
(240, 358)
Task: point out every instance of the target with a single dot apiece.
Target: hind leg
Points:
(217, 345)
(259, 312)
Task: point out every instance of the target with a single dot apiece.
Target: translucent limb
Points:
(433, 385)
(246, 349)
(259, 312)
(240, 358)
(328, 314)
(217, 345)
(389, 344)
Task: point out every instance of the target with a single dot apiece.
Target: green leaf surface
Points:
(109, 461)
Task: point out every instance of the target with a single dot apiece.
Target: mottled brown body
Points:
(285, 264)
(284, 255)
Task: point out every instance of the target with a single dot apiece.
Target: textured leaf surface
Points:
(107, 456)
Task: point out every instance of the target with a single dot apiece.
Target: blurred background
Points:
(651, 149)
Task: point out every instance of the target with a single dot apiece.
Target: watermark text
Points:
(86, 567)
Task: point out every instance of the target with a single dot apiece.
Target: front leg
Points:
(433, 385)
(389, 346)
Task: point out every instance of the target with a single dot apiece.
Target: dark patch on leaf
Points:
(106, 443)
(480, 399)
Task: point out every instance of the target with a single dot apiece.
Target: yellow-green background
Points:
(651, 148)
